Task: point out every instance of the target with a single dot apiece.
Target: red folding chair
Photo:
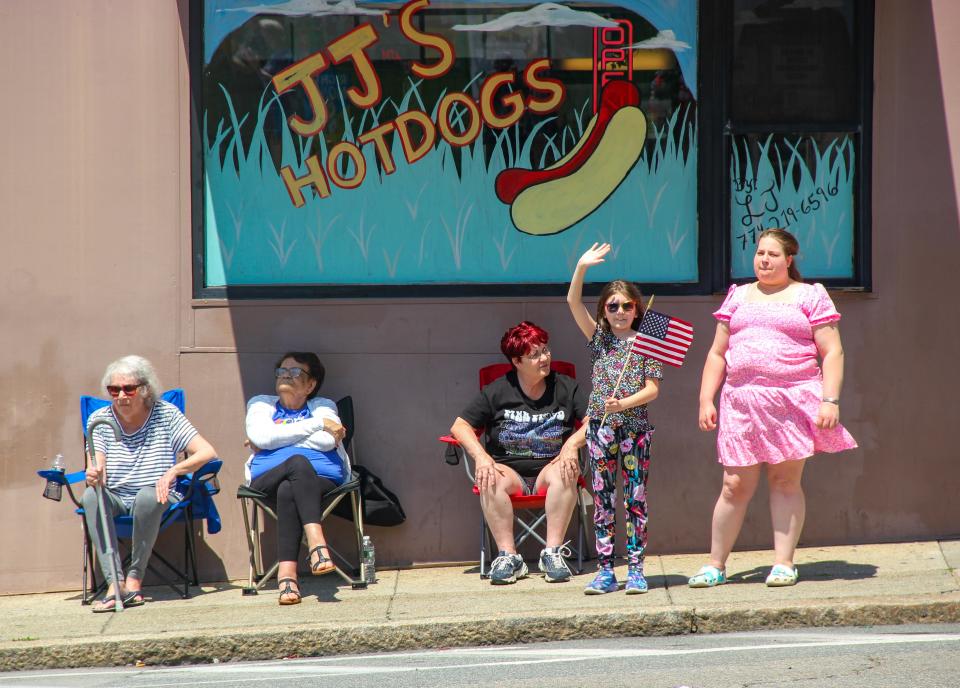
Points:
(528, 510)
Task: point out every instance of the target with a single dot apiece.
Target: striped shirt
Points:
(139, 459)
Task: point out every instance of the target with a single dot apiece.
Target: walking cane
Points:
(101, 501)
(626, 361)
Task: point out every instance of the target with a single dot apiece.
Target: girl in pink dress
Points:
(778, 406)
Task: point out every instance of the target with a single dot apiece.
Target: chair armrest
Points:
(206, 475)
(61, 477)
(247, 492)
(451, 455)
(68, 480)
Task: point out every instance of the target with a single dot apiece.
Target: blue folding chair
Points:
(197, 488)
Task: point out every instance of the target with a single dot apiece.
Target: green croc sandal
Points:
(782, 576)
(708, 577)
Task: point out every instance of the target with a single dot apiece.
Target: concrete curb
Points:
(326, 640)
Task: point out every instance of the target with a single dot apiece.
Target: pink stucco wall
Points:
(95, 196)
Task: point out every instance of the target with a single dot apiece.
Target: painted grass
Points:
(778, 189)
(432, 222)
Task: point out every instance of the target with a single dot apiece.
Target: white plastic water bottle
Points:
(368, 561)
(53, 489)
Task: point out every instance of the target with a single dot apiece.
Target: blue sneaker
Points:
(553, 564)
(636, 583)
(507, 568)
(605, 581)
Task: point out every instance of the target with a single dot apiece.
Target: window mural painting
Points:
(801, 183)
(347, 142)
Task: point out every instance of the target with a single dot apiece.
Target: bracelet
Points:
(831, 400)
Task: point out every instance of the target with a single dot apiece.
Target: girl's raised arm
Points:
(593, 256)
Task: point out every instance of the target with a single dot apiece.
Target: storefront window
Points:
(454, 143)
(471, 147)
(796, 131)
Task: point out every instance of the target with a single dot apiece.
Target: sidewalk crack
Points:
(946, 559)
(393, 596)
(666, 582)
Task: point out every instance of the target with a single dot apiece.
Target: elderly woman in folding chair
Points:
(141, 470)
(297, 458)
(531, 448)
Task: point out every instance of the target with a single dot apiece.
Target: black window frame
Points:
(714, 131)
(718, 19)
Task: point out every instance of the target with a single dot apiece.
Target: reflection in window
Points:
(794, 61)
(237, 78)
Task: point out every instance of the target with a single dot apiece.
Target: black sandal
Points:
(319, 568)
(134, 598)
(104, 605)
(288, 590)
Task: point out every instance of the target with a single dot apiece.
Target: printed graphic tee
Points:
(525, 433)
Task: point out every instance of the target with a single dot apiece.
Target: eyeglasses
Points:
(537, 355)
(289, 372)
(129, 390)
(626, 306)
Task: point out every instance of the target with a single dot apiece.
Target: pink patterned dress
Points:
(770, 400)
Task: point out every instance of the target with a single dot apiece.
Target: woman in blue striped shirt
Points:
(141, 469)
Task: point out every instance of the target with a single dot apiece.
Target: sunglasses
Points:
(537, 355)
(129, 390)
(626, 306)
(289, 372)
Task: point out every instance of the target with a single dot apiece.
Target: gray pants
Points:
(146, 511)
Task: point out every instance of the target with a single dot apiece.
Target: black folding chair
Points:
(257, 507)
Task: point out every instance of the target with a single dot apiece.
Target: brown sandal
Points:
(323, 564)
(288, 590)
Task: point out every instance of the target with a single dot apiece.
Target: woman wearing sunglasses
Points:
(297, 458)
(141, 469)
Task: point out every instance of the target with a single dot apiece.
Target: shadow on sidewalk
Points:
(820, 570)
(322, 588)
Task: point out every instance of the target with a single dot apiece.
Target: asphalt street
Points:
(896, 656)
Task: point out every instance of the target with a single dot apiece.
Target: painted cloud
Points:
(544, 14)
(663, 39)
(301, 8)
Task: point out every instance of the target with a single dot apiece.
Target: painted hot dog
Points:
(555, 198)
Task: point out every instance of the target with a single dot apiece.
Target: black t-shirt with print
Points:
(525, 433)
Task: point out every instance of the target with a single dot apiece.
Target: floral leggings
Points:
(604, 445)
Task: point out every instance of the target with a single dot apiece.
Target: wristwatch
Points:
(831, 400)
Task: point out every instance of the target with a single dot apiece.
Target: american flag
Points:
(664, 338)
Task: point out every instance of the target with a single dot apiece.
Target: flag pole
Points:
(626, 361)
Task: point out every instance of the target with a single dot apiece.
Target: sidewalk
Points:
(443, 607)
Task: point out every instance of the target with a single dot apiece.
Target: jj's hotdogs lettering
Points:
(417, 132)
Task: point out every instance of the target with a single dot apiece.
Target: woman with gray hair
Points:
(140, 470)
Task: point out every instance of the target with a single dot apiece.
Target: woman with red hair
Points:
(531, 448)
